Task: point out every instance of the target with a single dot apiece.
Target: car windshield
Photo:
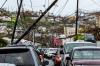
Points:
(68, 47)
(19, 57)
(87, 54)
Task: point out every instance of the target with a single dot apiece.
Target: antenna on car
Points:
(34, 24)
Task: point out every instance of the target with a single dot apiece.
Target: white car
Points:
(50, 52)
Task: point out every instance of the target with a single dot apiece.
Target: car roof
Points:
(15, 47)
(86, 47)
(77, 42)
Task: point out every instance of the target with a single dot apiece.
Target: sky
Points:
(70, 8)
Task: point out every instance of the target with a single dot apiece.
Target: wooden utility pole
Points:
(77, 11)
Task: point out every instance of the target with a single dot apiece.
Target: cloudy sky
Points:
(63, 7)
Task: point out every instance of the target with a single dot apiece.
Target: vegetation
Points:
(79, 37)
(3, 43)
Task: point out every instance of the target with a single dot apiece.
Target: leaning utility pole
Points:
(77, 16)
(17, 17)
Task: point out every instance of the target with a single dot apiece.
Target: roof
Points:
(15, 47)
(77, 42)
(86, 47)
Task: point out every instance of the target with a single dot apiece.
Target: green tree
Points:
(79, 37)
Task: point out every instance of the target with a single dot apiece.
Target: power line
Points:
(3, 4)
(31, 4)
(55, 7)
(60, 10)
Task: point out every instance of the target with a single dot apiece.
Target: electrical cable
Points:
(31, 5)
(60, 10)
(44, 4)
(17, 4)
(19, 8)
(31, 27)
(55, 7)
(3, 4)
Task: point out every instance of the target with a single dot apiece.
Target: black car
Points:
(20, 56)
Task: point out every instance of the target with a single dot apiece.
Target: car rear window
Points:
(19, 57)
(87, 54)
(70, 46)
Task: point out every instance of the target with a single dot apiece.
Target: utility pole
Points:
(17, 17)
(34, 36)
(77, 16)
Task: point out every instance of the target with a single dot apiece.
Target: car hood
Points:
(86, 62)
(7, 64)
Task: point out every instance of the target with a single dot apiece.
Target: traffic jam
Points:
(41, 34)
(76, 53)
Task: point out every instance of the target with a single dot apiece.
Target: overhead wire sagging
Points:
(3, 4)
(63, 7)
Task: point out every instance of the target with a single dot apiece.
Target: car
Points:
(90, 38)
(40, 54)
(84, 56)
(68, 46)
(20, 56)
(50, 52)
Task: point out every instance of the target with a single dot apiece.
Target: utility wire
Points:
(3, 4)
(31, 27)
(55, 7)
(19, 9)
(60, 10)
(17, 4)
(31, 4)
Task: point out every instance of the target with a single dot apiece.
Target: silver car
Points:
(20, 56)
(68, 46)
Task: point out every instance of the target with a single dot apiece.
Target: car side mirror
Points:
(45, 63)
(61, 52)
